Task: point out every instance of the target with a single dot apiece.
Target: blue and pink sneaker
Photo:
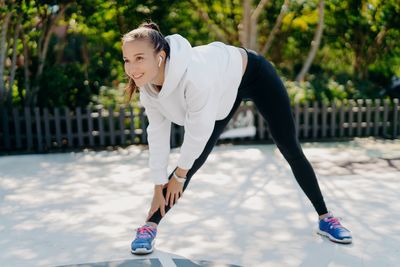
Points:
(144, 241)
(331, 228)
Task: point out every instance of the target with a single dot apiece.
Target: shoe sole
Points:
(341, 241)
(143, 251)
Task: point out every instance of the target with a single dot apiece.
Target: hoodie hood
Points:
(175, 66)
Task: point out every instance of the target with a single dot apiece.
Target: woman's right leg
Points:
(218, 129)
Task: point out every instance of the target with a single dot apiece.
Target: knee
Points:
(291, 150)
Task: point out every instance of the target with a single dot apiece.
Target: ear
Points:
(162, 54)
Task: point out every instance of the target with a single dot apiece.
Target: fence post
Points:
(38, 129)
(90, 125)
(79, 125)
(315, 119)
(351, 114)
(395, 117)
(376, 117)
(386, 122)
(305, 114)
(69, 126)
(132, 124)
(17, 126)
(47, 127)
(359, 116)
(28, 125)
(333, 119)
(324, 119)
(341, 119)
(368, 119)
(5, 123)
(261, 126)
(121, 124)
(111, 125)
(143, 126)
(181, 133)
(57, 122)
(172, 135)
(101, 127)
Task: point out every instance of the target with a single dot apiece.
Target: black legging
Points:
(262, 85)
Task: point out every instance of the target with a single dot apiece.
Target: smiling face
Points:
(142, 63)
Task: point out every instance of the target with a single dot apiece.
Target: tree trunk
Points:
(28, 94)
(314, 44)
(253, 44)
(13, 62)
(244, 27)
(3, 51)
(43, 52)
(275, 29)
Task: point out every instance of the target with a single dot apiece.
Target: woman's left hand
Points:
(174, 191)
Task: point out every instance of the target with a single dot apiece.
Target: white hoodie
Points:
(200, 87)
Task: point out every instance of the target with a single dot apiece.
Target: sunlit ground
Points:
(243, 207)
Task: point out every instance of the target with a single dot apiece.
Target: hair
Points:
(150, 31)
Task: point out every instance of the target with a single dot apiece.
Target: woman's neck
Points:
(159, 80)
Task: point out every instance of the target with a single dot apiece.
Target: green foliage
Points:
(358, 55)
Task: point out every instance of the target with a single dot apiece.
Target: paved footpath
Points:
(243, 208)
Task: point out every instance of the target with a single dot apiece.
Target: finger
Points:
(176, 198)
(149, 215)
(168, 195)
(162, 210)
(172, 200)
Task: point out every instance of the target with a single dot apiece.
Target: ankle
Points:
(326, 215)
(152, 224)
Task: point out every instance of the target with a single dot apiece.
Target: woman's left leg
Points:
(271, 99)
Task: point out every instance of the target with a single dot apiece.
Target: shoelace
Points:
(145, 232)
(334, 222)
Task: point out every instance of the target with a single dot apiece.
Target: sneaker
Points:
(144, 241)
(331, 228)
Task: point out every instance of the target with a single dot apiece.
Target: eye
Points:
(126, 61)
(139, 58)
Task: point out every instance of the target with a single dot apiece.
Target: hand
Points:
(158, 201)
(174, 191)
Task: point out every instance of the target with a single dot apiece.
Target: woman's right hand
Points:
(158, 201)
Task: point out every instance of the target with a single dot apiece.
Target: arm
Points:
(158, 136)
(199, 125)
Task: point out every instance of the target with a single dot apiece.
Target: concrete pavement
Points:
(242, 208)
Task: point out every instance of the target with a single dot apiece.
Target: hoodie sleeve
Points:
(199, 124)
(158, 137)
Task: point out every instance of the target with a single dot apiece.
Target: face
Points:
(141, 64)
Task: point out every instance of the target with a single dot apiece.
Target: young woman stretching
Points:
(201, 88)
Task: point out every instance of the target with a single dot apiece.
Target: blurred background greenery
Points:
(68, 53)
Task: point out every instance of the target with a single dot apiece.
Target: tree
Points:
(368, 28)
(3, 48)
(314, 44)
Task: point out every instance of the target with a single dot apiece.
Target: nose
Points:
(130, 69)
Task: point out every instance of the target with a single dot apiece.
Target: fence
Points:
(43, 129)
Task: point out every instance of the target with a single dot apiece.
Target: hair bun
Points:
(150, 25)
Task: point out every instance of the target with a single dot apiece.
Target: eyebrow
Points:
(136, 54)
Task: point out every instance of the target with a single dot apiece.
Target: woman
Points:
(200, 88)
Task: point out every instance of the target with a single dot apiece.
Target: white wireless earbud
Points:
(159, 62)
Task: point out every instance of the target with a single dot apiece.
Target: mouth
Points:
(137, 76)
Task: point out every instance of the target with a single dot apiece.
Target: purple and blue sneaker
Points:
(331, 228)
(144, 241)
